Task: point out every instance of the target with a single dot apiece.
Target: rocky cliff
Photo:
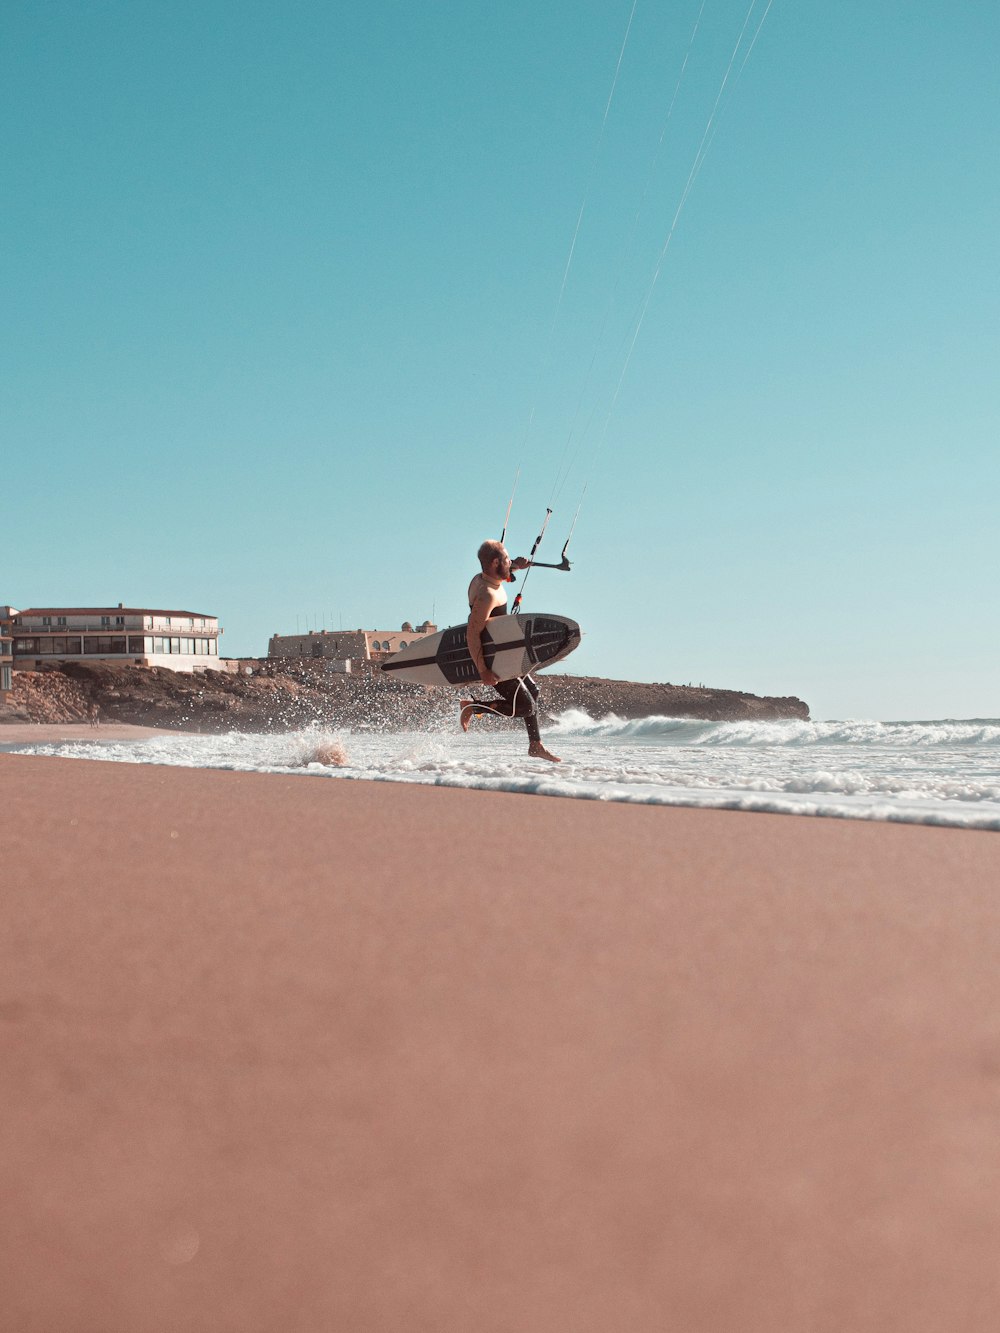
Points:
(283, 695)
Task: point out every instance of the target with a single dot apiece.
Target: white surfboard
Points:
(512, 647)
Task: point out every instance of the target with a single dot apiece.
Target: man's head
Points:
(494, 559)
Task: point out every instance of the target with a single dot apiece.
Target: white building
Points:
(6, 650)
(179, 640)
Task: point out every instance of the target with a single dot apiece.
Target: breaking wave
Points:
(945, 772)
(791, 731)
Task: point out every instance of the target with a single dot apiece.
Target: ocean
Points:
(944, 772)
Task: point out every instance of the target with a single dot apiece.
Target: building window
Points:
(60, 620)
(5, 681)
(25, 645)
(104, 645)
(60, 646)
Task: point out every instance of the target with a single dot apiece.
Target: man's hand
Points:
(489, 677)
(520, 563)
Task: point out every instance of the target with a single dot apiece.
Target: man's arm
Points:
(478, 617)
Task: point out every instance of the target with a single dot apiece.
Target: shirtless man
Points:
(488, 597)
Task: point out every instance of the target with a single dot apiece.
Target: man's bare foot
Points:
(467, 708)
(538, 751)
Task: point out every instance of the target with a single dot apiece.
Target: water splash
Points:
(945, 772)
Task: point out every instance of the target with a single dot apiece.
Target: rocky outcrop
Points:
(632, 699)
(278, 695)
(46, 696)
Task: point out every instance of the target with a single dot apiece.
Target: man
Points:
(517, 698)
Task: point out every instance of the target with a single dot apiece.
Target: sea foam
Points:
(945, 772)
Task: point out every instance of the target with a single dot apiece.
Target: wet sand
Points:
(282, 1053)
(54, 733)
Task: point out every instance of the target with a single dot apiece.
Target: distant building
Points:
(6, 650)
(178, 640)
(349, 649)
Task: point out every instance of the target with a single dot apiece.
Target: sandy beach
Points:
(316, 1055)
(52, 733)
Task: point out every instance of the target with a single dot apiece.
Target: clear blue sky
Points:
(279, 289)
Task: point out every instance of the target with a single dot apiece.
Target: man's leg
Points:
(524, 698)
(523, 694)
(470, 708)
(517, 698)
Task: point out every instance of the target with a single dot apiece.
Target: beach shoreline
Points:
(56, 733)
(938, 774)
(323, 1055)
